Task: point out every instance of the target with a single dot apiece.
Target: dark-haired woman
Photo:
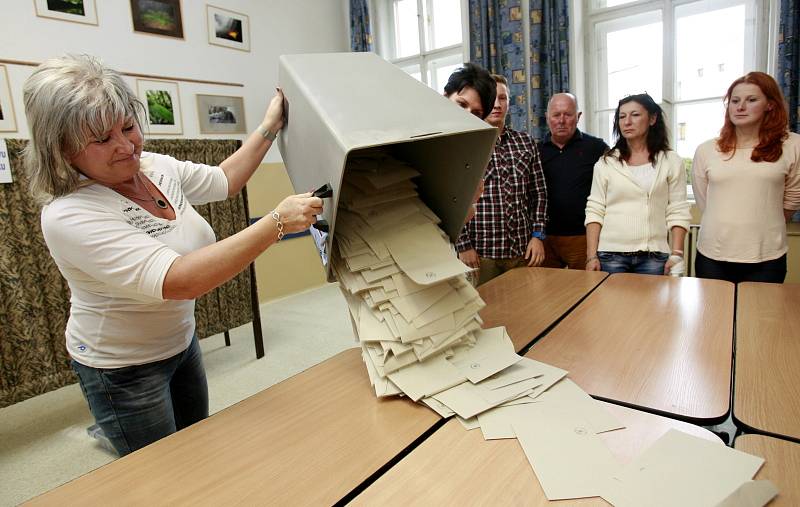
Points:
(638, 196)
(747, 184)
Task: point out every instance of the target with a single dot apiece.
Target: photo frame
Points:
(162, 106)
(228, 28)
(8, 120)
(158, 17)
(221, 114)
(77, 11)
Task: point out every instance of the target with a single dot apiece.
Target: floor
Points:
(43, 440)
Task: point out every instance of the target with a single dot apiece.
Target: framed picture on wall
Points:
(8, 121)
(162, 105)
(79, 11)
(220, 114)
(228, 28)
(159, 17)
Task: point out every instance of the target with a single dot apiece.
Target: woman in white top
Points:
(120, 225)
(638, 196)
(747, 185)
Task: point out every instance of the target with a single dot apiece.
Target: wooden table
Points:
(458, 467)
(529, 300)
(658, 343)
(766, 398)
(782, 465)
(308, 440)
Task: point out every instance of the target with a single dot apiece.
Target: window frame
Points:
(765, 35)
(426, 59)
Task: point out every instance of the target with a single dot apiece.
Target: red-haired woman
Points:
(747, 185)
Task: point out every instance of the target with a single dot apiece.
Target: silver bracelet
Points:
(277, 217)
(266, 134)
(590, 259)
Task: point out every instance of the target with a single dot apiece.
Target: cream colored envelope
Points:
(409, 333)
(681, 469)
(751, 494)
(437, 407)
(423, 255)
(370, 328)
(383, 386)
(492, 352)
(451, 303)
(525, 369)
(410, 307)
(427, 378)
(569, 460)
(468, 399)
(468, 424)
(393, 363)
(568, 397)
(405, 285)
(375, 275)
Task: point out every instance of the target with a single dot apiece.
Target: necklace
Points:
(161, 203)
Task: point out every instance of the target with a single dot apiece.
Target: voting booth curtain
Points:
(497, 42)
(34, 298)
(789, 59)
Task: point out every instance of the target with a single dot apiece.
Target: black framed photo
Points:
(157, 17)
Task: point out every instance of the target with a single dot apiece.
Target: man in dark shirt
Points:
(568, 157)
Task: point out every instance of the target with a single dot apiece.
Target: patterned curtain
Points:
(789, 59)
(496, 43)
(549, 50)
(495, 38)
(34, 298)
(360, 31)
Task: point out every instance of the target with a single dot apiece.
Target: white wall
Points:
(276, 27)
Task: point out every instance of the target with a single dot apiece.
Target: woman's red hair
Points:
(774, 126)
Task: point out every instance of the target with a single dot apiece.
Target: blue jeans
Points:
(645, 263)
(137, 405)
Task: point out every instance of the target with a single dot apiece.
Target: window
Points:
(422, 37)
(683, 53)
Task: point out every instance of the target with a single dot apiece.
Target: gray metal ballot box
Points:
(340, 105)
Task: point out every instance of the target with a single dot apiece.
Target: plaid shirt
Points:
(514, 200)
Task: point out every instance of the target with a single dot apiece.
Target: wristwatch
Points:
(540, 235)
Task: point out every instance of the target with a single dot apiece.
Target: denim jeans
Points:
(645, 263)
(137, 405)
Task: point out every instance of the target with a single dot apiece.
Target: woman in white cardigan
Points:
(638, 196)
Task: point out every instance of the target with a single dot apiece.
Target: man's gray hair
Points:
(70, 101)
(567, 94)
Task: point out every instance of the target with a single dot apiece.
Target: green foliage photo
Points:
(67, 6)
(159, 107)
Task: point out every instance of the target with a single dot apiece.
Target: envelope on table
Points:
(524, 369)
(427, 378)
(423, 255)
(682, 469)
(492, 352)
(468, 399)
(567, 396)
(569, 460)
(449, 304)
(438, 407)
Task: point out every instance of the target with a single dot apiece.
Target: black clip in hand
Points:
(322, 192)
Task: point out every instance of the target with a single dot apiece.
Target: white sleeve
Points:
(105, 248)
(596, 202)
(200, 183)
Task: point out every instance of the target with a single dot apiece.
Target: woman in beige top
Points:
(747, 185)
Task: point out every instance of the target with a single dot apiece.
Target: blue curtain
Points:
(495, 28)
(496, 43)
(360, 31)
(789, 59)
(549, 50)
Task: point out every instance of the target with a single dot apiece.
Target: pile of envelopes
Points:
(416, 319)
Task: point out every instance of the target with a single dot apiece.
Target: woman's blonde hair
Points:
(68, 102)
